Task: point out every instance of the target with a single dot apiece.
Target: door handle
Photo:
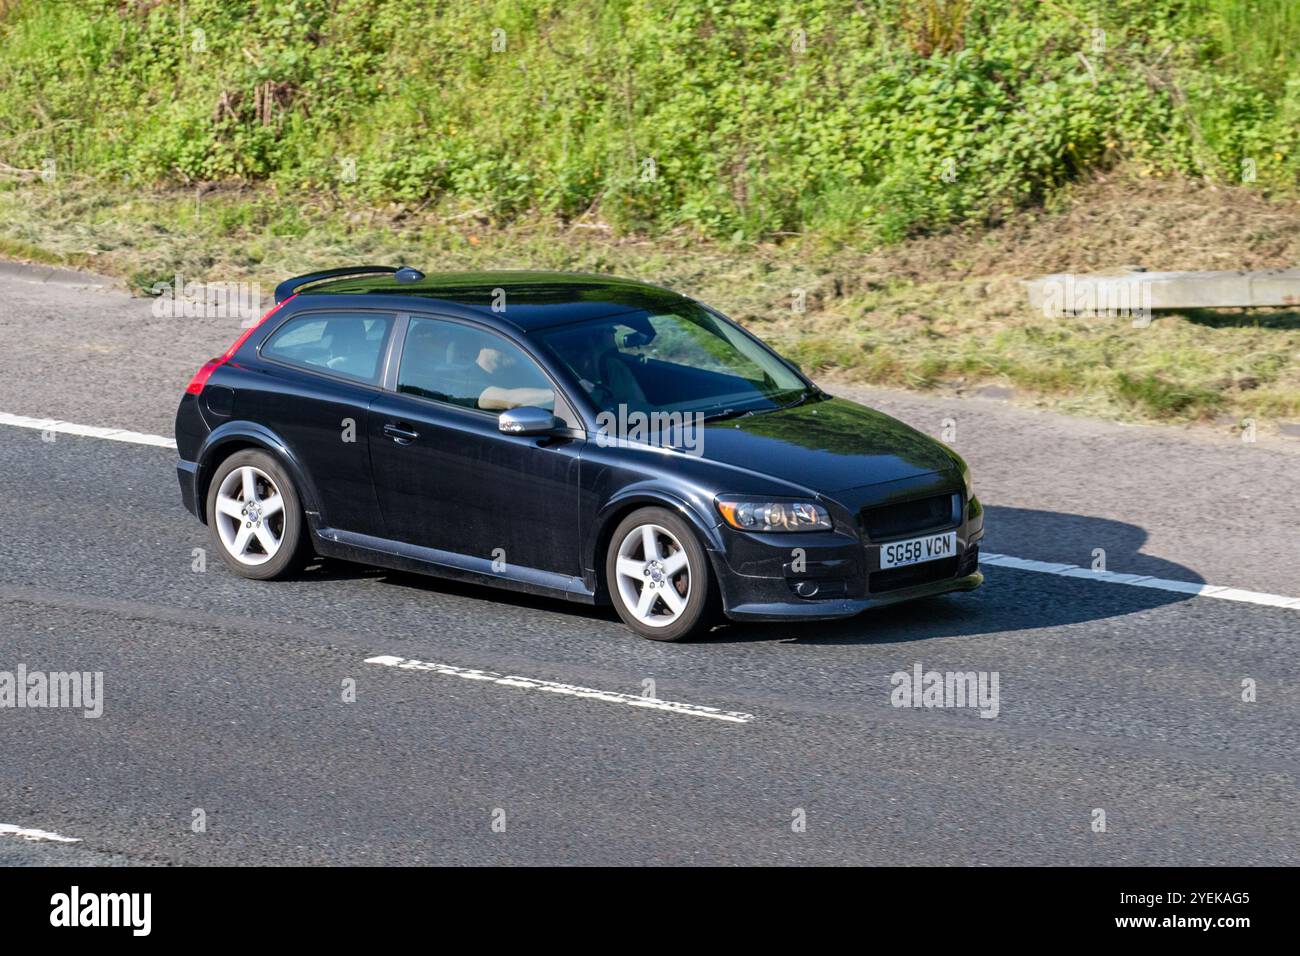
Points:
(401, 433)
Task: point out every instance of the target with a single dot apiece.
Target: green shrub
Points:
(863, 120)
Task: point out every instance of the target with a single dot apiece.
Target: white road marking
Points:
(1219, 591)
(571, 690)
(34, 836)
(1142, 581)
(87, 431)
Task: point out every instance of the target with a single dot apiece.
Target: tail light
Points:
(211, 365)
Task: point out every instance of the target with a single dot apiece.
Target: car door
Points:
(324, 368)
(449, 480)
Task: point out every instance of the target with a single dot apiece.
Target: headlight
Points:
(774, 515)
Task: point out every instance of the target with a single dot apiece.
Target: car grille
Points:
(912, 575)
(911, 517)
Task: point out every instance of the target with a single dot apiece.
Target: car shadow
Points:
(340, 570)
(1011, 599)
(1073, 539)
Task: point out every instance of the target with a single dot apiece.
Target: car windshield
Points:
(682, 360)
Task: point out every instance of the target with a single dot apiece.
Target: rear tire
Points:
(658, 576)
(255, 517)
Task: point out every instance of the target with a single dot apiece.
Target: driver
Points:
(491, 369)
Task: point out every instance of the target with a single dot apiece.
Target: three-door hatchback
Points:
(578, 436)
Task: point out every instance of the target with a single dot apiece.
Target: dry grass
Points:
(942, 312)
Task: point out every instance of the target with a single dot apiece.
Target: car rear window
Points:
(342, 343)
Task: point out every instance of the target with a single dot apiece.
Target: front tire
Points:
(255, 517)
(658, 576)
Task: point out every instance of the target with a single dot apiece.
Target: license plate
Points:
(932, 547)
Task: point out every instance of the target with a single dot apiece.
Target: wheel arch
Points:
(240, 436)
(619, 507)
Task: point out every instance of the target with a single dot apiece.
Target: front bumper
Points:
(824, 576)
(834, 609)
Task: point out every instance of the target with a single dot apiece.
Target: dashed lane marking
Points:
(34, 836)
(570, 690)
(1141, 581)
(87, 431)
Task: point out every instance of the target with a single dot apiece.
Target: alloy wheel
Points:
(654, 575)
(250, 516)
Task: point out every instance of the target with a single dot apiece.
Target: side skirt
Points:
(400, 556)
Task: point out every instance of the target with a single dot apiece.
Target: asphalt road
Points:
(226, 696)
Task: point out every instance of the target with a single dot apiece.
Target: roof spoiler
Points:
(291, 286)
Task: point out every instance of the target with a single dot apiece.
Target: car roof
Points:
(533, 300)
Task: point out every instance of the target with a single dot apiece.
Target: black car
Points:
(578, 436)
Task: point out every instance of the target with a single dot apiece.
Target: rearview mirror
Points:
(527, 420)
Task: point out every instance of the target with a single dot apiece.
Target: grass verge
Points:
(941, 313)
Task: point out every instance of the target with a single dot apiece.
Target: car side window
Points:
(470, 367)
(344, 343)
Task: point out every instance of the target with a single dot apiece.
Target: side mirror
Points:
(527, 420)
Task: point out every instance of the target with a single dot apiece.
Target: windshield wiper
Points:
(726, 413)
(731, 413)
(806, 395)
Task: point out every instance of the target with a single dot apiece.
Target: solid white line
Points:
(86, 431)
(997, 560)
(571, 690)
(1142, 581)
(34, 836)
